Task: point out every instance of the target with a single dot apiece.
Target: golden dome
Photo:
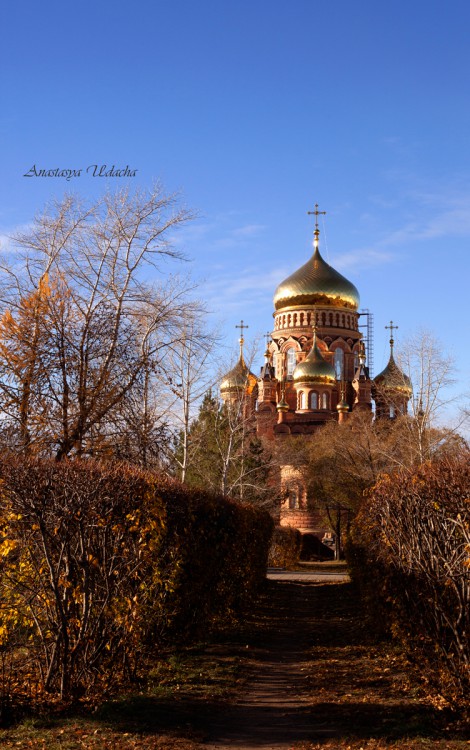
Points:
(316, 283)
(239, 378)
(314, 369)
(393, 378)
(342, 407)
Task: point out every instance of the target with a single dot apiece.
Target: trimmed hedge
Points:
(285, 547)
(100, 562)
(410, 553)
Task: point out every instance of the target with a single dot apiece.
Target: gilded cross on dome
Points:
(241, 340)
(316, 232)
(316, 213)
(391, 328)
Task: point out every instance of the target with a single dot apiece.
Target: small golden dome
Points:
(316, 283)
(239, 378)
(342, 407)
(393, 378)
(314, 369)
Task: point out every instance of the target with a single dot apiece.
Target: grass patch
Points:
(195, 672)
(168, 712)
(86, 735)
(325, 566)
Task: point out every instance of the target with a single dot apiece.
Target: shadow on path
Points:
(313, 675)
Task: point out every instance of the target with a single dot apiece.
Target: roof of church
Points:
(314, 369)
(316, 283)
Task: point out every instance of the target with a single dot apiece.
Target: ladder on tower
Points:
(369, 338)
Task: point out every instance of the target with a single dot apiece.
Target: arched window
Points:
(324, 401)
(392, 412)
(291, 362)
(314, 400)
(303, 400)
(339, 363)
(294, 498)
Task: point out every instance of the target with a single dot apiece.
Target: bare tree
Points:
(81, 323)
(190, 374)
(245, 460)
(431, 372)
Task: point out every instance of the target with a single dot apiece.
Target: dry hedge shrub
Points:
(99, 562)
(410, 552)
(285, 547)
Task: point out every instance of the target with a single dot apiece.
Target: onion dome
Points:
(239, 378)
(282, 405)
(316, 283)
(342, 407)
(392, 377)
(314, 368)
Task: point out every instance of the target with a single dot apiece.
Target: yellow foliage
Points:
(7, 546)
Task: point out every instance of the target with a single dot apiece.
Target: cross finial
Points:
(241, 340)
(267, 336)
(392, 328)
(242, 326)
(316, 213)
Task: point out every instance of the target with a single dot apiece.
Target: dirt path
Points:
(273, 711)
(318, 680)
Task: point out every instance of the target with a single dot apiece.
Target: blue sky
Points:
(255, 111)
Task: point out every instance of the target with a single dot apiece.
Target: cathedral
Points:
(315, 371)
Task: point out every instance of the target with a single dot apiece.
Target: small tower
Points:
(391, 388)
(282, 406)
(239, 382)
(362, 383)
(342, 407)
(267, 383)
